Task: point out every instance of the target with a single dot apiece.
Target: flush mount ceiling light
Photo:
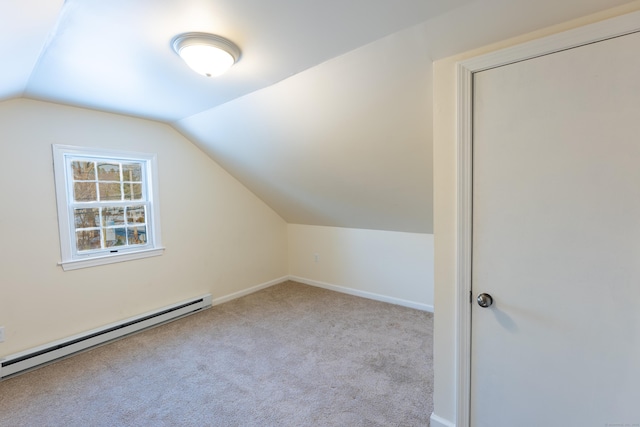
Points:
(206, 54)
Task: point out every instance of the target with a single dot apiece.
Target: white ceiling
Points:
(115, 55)
(326, 117)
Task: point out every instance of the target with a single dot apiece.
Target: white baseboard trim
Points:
(437, 421)
(244, 292)
(364, 294)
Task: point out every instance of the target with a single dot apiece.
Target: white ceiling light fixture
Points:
(206, 54)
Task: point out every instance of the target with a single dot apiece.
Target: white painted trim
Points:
(599, 31)
(245, 292)
(592, 33)
(363, 294)
(336, 288)
(70, 259)
(76, 264)
(463, 247)
(437, 421)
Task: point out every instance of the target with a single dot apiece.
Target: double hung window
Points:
(107, 206)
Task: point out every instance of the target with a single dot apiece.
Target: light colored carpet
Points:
(290, 355)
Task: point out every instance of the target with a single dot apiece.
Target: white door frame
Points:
(592, 33)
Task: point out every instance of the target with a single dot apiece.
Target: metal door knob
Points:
(485, 300)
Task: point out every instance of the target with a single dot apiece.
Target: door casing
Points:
(592, 33)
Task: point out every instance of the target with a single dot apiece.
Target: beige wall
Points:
(390, 266)
(219, 237)
(445, 205)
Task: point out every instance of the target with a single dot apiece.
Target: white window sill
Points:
(109, 259)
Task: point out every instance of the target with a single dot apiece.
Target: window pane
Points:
(87, 240)
(137, 235)
(105, 205)
(108, 172)
(110, 191)
(86, 218)
(84, 191)
(83, 171)
(112, 216)
(132, 172)
(114, 237)
(133, 191)
(136, 214)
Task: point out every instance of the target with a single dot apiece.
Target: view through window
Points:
(105, 202)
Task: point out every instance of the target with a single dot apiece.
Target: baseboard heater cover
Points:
(36, 357)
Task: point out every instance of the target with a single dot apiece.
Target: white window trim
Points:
(72, 261)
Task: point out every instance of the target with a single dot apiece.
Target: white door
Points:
(556, 240)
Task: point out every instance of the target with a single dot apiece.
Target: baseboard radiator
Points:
(22, 362)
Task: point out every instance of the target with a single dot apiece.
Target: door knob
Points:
(485, 300)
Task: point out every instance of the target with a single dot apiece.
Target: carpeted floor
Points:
(290, 355)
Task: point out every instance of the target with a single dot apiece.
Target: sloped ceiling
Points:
(345, 143)
(327, 116)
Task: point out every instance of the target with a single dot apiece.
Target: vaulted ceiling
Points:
(326, 117)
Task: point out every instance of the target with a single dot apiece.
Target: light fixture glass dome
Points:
(206, 54)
